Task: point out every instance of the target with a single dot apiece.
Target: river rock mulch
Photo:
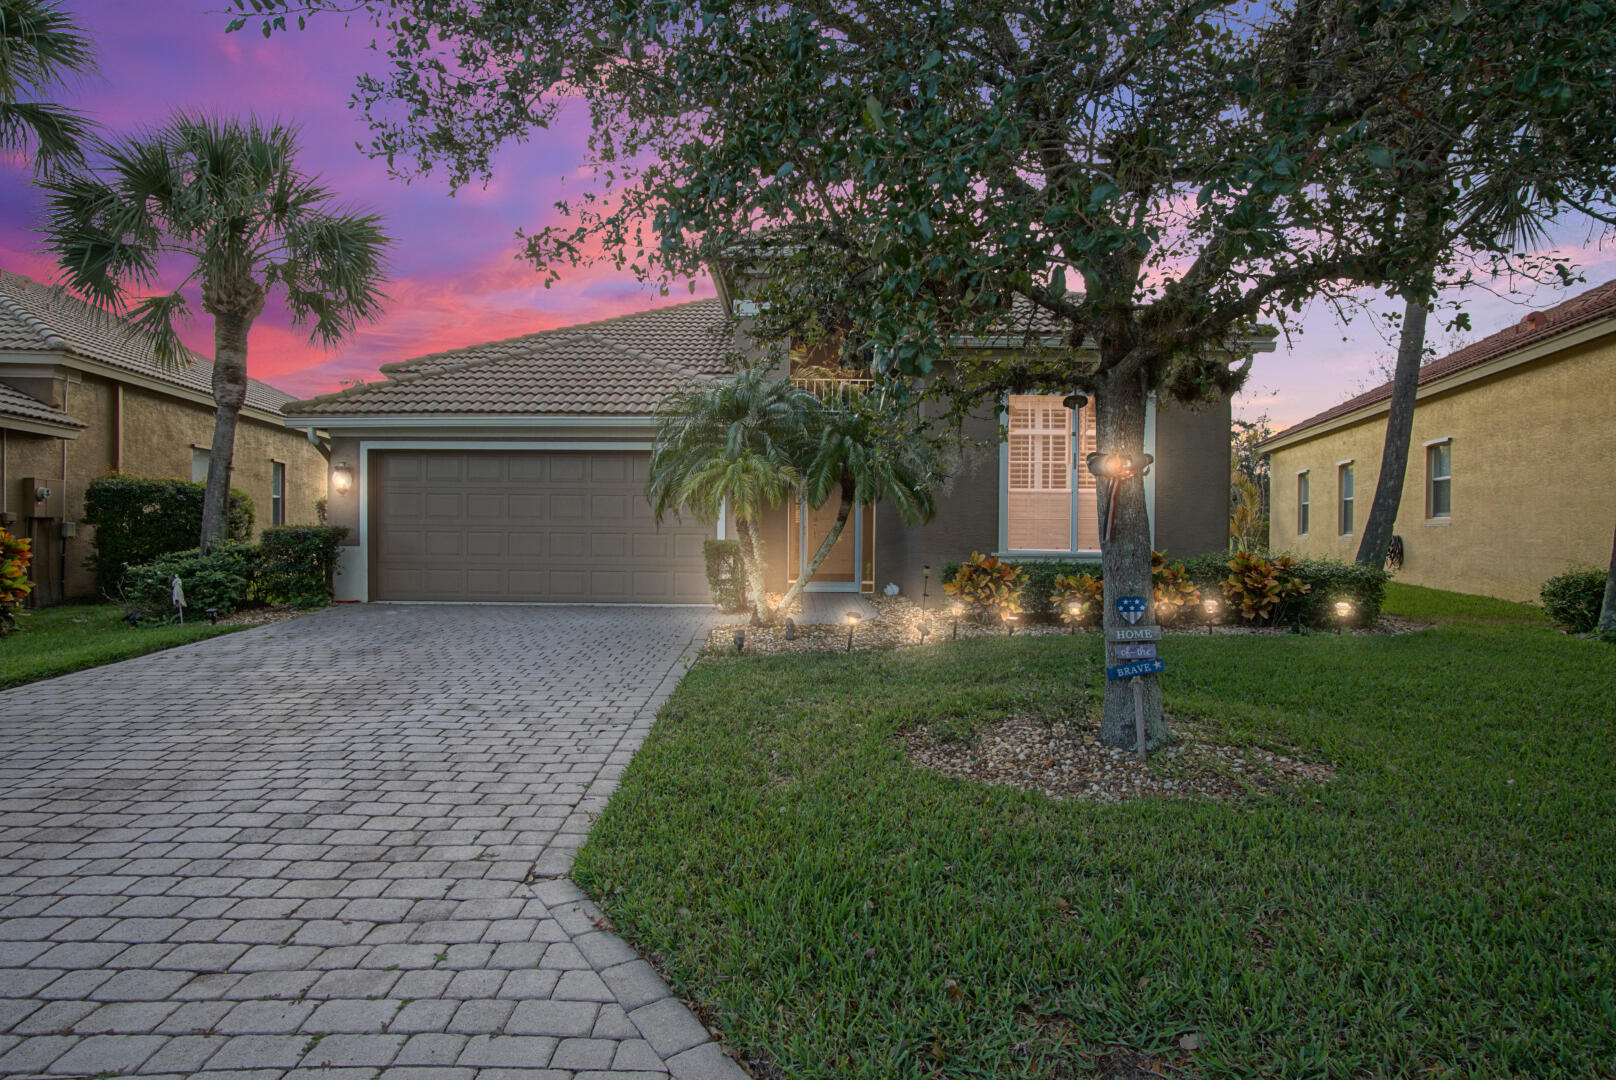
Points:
(1068, 761)
(899, 622)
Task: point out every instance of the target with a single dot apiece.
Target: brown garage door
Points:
(560, 527)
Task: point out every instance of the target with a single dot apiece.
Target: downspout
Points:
(61, 525)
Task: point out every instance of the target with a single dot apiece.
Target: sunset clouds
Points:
(455, 276)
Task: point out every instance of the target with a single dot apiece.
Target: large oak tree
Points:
(1129, 185)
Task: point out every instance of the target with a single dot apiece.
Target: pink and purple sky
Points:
(455, 276)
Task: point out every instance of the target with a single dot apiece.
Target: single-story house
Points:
(515, 471)
(1512, 463)
(80, 397)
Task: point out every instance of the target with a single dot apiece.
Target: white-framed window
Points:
(277, 493)
(1344, 486)
(1439, 480)
(199, 465)
(1304, 501)
(1050, 499)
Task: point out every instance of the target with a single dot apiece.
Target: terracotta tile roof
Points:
(45, 318)
(1586, 307)
(623, 366)
(14, 403)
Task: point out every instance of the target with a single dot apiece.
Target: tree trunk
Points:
(229, 393)
(1607, 609)
(1120, 420)
(842, 514)
(1377, 529)
(752, 560)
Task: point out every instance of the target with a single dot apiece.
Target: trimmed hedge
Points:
(1328, 581)
(296, 563)
(221, 580)
(726, 573)
(139, 519)
(293, 565)
(1572, 600)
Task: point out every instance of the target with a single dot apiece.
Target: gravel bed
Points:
(263, 616)
(1068, 761)
(898, 623)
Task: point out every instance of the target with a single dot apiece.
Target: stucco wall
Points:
(1534, 478)
(158, 433)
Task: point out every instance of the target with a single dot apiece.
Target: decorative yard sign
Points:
(1136, 667)
(1131, 608)
(1136, 633)
(1144, 650)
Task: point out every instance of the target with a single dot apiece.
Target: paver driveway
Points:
(336, 843)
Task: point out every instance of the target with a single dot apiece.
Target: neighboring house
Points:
(1512, 463)
(516, 470)
(80, 397)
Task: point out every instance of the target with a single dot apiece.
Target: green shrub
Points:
(15, 555)
(221, 580)
(295, 564)
(1330, 581)
(1572, 599)
(1087, 590)
(726, 573)
(139, 519)
(1038, 591)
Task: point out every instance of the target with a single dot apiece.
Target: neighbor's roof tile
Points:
(1586, 307)
(15, 403)
(47, 318)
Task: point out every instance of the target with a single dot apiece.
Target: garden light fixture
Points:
(853, 619)
(791, 629)
(1343, 612)
(925, 584)
(1075, 610)
(213, 615)
(1114, 468)
(1010, 624)
(956, 610)
(1210, 606)
(341, 478)
(740, 640)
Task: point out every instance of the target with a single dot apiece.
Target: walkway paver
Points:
(338, 843)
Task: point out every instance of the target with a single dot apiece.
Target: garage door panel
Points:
(540, 526)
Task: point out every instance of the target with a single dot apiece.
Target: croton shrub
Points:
(988, 586)
(15, 555)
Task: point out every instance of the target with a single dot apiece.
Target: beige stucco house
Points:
(515, 470)
(79, 397)
(1512, 465)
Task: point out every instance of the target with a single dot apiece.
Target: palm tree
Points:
(227, 196)
(738, 443)
(41, 47)
(863, 452)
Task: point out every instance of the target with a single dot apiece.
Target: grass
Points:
(1445, 908)
(56, 640)
(1438, 605)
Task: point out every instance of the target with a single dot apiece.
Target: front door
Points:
(808, 529)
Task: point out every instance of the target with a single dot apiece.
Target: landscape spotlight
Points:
(853, 619)
(1075, 610)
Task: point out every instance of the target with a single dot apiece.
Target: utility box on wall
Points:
(42, 497)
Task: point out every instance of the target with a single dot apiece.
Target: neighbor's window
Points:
(1303, 501)
(199, 466)
(277, 493)
(1050, 504)
(1439, 470)
(1346, 498)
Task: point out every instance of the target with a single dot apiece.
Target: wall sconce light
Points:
(341, 478)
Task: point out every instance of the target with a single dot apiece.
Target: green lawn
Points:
(1437, 605)
(1446, 908)
(54, 641)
